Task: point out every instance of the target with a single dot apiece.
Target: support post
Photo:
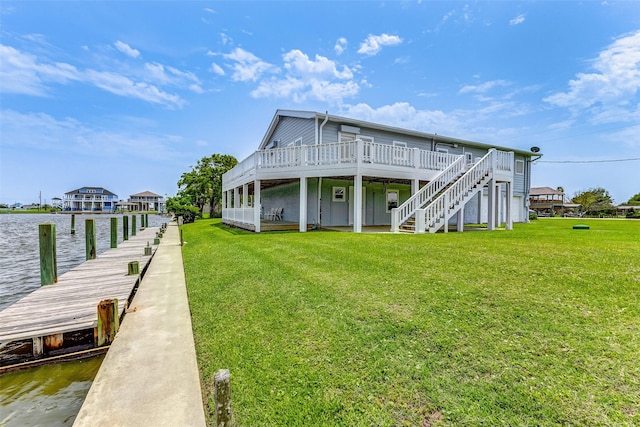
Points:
(421, 224)
(258, 203)
(90, 238)
(133, 268)
(460, 220)
(48, 261)
(114, 232)
(222, 397)
(38, 346)
(357, 204)
(125, 227)
(73, 223)
(133, 224)
(181, 238)
(108, 321)
(509, 219)
(146, 220)
(303, 204)
(491, 202)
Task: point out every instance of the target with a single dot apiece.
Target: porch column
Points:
(303, 204)
(498, 200)
(480, 196)
(491, 208)
(224, 201)
(508, 221)
(256, 205)
(415, 185)
(460, 220)
(357, 204)
(245, 196)
(236, 197)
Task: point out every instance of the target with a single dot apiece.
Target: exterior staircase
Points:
(430, 209)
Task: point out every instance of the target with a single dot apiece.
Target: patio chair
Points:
(278, 214)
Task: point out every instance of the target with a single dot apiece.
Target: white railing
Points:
(240, 215)
(441, 206)
(340, 153)
(403, 212)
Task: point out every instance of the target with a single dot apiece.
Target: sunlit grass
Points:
(534, 326)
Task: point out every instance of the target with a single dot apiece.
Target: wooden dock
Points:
(50, 319)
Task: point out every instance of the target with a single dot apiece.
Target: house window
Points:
(519, 167)
(469, 157)
(338, 194)
(392, 199)
(399, 150)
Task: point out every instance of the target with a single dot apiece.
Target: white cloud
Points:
(484, 87)
(340, 45)
(216, 69)
(299, 63)
(246, 66)
(126, 49)
(373, 44)
(614, 84)
(517, 20)
(23, 74)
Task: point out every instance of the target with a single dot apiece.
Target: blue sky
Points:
(129, 95)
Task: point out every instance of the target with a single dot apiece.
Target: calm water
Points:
(50, 395)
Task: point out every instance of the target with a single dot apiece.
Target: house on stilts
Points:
(318, 170)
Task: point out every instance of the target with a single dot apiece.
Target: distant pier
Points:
(64, 317)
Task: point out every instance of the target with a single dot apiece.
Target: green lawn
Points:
(535, 326)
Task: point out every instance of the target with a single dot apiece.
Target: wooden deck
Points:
(71, 304)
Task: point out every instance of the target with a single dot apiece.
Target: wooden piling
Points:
(90, 238)
(142, 223)
(73, 223)
(114, 232)
(125, 227)
(133, 225)
(147, 250)
(48, 261)
(108, 321)
(222, 397)
(133, 268)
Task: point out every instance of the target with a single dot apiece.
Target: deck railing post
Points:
(114, 232)
(90, 238)
(222, 397)
(48, 262)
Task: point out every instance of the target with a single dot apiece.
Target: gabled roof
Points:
(540, 191)
(145, 194)
(104, 191)
(361, 123)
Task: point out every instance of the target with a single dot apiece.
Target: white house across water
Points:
(321, 170)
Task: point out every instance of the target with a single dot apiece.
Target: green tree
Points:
(634, 200)
(593, 201)
(203, 184)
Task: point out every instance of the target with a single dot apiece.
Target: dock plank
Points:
(70, 304)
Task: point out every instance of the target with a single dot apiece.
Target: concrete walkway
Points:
(150, 375)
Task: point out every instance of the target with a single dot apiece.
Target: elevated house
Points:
(90, 199)
(546, 201)
(147, 201)
(320, 170)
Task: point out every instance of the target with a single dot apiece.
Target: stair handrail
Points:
(439, 206)
(403, 212)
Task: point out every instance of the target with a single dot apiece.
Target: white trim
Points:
(519, 163)
(399, 154)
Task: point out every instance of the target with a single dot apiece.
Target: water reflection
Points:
(50, 395)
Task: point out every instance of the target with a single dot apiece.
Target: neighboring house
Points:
(90, 199)
(320, 170)
(546, 201)
(147, 201)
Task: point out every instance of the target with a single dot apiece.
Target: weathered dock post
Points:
(108, 321)
(48, 262)
(90, 238)
(114, 232)
(222, 397)
(125, 227)
(133, 268)
(142, 223)
(133, 225)
(73, 223)
(146, 220)
(147, 250)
